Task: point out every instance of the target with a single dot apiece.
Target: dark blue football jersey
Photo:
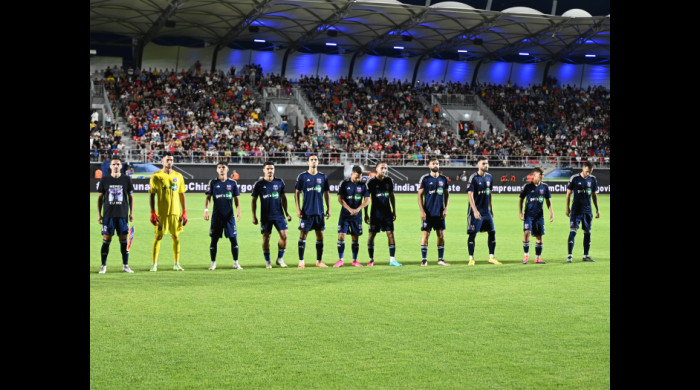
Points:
(223, 192)
(481, 187)
(353, 194)
(312, 188)
(434, 192)
(380, 191)
(270, 194)
(582, 189)
(534, 196)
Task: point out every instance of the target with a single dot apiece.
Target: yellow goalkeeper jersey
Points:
(167, 188)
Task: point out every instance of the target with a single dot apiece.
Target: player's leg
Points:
(370, 246)
(215, 232)
(527, 226)
(175, 227)
(441, 245)
(424, 244)
(355, 247)
(303, 232)
(266, 249)
(491, 229)
(392, 248)
(473, 227)
(341, 246)
(231, 233)
(319, 247)
(281, 244)
(586, 226)
(573, 228)
(538, 250)
(160, 229)
(104, 252)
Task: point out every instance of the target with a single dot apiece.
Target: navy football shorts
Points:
(430, 223)
(585, 219)
(485, 224)
(377, 224)
(279, 224)
(109, 225)
(534, 225)
(352, 225)
(222, 225)
(312, 222)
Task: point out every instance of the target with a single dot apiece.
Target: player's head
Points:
(434, 164)
(482, 163)
(168, 160)
(115, 165)
(313, 160)
(269, 169)
(222, 169)
(537, 174)
(382, 168)
(356, 173)
(587, 168)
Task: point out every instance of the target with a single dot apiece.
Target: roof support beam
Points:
(155, 28)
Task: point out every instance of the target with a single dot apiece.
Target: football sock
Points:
(234, 248)
(424, 252)
(156, 250)
(572, 235)
(470, 244)
(105, 251)
(341, 249)
(176, 250)
(302, 248)
(492, 242)
(370, 251)
(538, 249)
(125, 253)
(319, 250)
(392, 251)
(213, 247)
(355, 246)
(526, 247)
(280, 253)
(441, 251)
(266, 255)
(586, 243)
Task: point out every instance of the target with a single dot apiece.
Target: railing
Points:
(337, 158)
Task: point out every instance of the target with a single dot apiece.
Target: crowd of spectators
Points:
(208, 114)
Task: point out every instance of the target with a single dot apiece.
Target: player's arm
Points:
(568, 198)
(470, 196)
(344, 204)
(551, 211)
(283, 200)
(392, 202)
(100, 201)
(491, 205)
(520, 208)
(183, 217)
(447, 202)
(253, 207)
(420, 204)
(207, 200)
(327, 199)
(131, 207)
(152, 204)
(594, 197)
(238, 208)
(296, 202)
(364, 204)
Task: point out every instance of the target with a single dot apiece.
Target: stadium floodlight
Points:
(398, 47)
(590, 55)
(522, 53)
(259, 40)
(461, 51)
(331, 44)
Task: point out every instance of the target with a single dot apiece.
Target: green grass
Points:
(512, 326)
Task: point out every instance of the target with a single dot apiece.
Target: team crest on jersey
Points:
(275, 187)
(319, 180)
(228, 187)
(488, 183)
(440, 183)
(358, 190)
(541, 191)
(174, 179)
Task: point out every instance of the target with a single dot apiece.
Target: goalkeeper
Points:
(171, 213)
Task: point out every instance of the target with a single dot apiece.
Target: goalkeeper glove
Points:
(183, 218)
(154, 218)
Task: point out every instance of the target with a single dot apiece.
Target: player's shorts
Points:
(485, 224)
(312, 222)
(585, 219)
(430, 223)
(278, 223)
(377, 224)
(352, 225)
(534, 225)
(109, 225)
(170, 223)
(223, 225)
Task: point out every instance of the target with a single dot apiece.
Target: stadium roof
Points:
(490, 30)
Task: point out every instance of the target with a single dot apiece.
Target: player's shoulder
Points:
(473, 175)
(423, 177)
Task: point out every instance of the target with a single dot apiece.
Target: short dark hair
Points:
(311, 155)
(482, 158)
(538, 169)
(114, 157)
(588, 164)
(357, 169)
(266, 163)
(433, 158)
(381, 162)
(221, 163)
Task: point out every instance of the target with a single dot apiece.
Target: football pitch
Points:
(509, 326)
